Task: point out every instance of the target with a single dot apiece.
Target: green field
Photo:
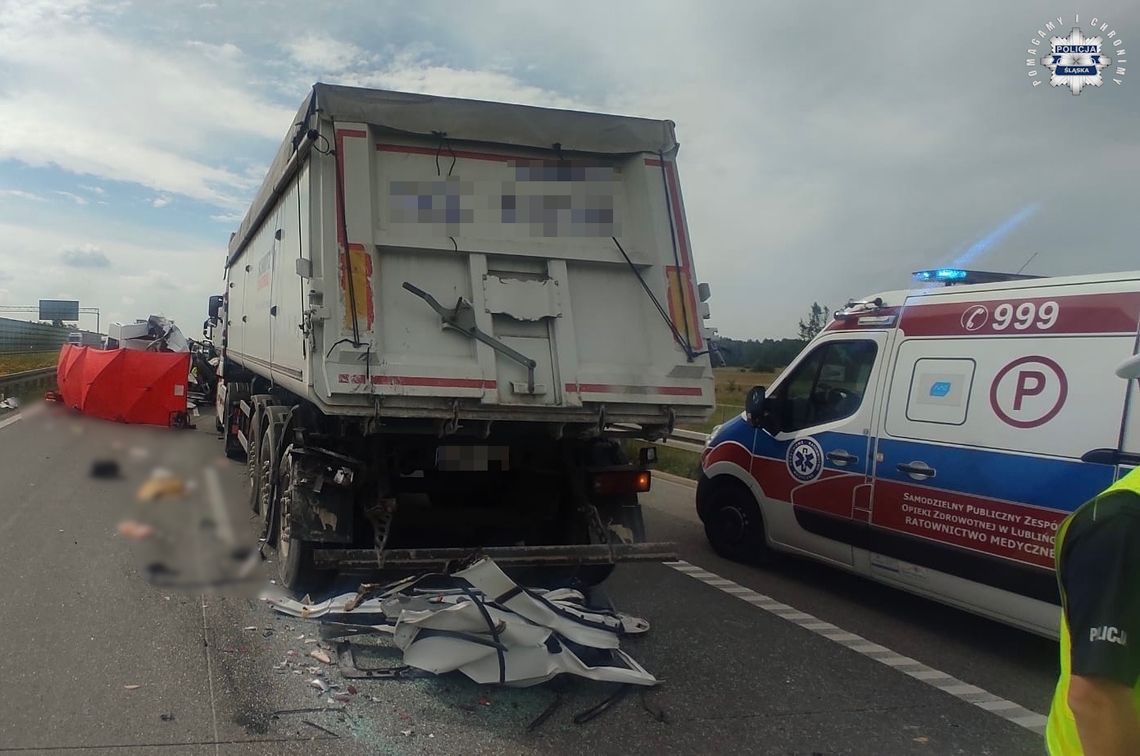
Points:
(17, 363)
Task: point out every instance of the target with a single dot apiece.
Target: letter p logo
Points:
(1029, 383)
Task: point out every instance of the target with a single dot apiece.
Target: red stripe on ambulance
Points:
(1076, 313)
(998, 528)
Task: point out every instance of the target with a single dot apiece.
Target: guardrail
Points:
(693, 441)
(27, 382)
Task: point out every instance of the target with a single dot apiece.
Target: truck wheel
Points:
(295, 566)
(256, 453)
(234, 395)
(733, 523)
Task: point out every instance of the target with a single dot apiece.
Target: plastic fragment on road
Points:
(105, 469)
(486, 626)
(132, 687)
(319, 684)
(162, 484)
(134, 530)
(321, 655)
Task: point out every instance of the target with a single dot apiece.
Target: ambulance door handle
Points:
(841, 458)
(917, 470)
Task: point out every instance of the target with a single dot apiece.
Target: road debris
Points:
(166, 717)
(132, 687)
(135, 530)
(322, 729)
(484, 625)
(319, 684)
(321, 655)
(105, 469)
(162, 484)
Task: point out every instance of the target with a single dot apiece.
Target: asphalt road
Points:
(110, 644)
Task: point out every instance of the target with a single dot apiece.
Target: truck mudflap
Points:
(321, 495)
(512, 556)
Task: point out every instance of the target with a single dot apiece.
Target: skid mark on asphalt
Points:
(971, 694)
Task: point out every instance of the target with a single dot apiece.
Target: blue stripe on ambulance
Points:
(1051, 482)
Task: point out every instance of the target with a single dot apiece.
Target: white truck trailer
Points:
(437, 311)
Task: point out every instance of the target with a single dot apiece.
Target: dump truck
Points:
(441, 317)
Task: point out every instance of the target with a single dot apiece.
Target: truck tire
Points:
(258, 460)
(295, 567)
(235, 393)
(254, 459)
(733, 523)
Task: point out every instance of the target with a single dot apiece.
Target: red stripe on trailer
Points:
(415, 380)
(1117, 312)
(407, 149)
(613, 388)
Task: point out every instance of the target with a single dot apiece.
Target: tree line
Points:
(768, 355)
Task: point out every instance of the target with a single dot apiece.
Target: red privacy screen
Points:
(124, 385)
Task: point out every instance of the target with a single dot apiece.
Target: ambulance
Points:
(934, 439)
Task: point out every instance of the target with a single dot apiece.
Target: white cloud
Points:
(407, 73)
(322, 53)
(178, 280)
(85, 256)
(160, 201)
(21, 194)
(92, 103)
(224, 51)
(93, 189)
(73, 197)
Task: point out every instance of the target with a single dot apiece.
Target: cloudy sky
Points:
(828, 149)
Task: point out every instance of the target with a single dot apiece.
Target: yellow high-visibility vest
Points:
(1061, 733)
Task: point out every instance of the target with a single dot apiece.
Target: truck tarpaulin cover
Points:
(472, 121)
(124, 385)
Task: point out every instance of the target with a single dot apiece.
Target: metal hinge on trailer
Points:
(461, 318)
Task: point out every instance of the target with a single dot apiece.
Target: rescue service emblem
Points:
(805, 459)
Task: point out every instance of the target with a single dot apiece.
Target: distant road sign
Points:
(59, 309)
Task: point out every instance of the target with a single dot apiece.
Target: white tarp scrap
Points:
(493, 631)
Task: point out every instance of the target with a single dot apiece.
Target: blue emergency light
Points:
(951, 276)
(944, 275)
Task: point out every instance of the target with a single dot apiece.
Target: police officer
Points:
(1096, 707)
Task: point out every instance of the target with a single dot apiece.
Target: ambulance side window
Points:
(827, 385)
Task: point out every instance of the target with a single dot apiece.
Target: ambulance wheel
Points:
(733, 523)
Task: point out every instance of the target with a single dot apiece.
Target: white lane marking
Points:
(963, 691)
(11, 420)
(218, 506)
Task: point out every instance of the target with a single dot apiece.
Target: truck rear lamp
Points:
(612, 482)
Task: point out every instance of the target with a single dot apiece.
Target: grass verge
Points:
(18, 363)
